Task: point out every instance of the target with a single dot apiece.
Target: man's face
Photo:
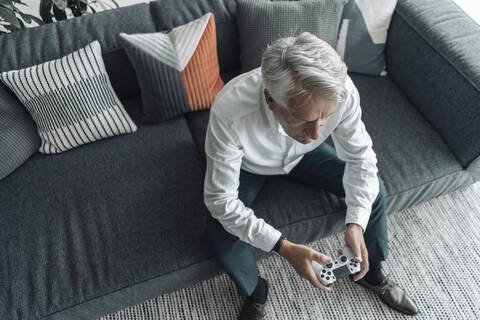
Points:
(302, 120)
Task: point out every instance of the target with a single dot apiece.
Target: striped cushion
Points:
(70, 99)
(178, 71)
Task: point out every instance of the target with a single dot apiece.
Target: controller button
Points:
(328, 278)
(335, 262)
(323, 276)
(329, 272)
(323, 271)
(352, 260)
(329, 265)
(343, 258)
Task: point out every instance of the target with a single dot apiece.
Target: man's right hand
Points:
(301, 257)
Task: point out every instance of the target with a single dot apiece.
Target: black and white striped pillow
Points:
(71, 100)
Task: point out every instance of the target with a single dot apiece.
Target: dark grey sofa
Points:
(115, 222)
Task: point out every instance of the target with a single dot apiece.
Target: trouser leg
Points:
(235, 256)
(322, 168)
(376, 233)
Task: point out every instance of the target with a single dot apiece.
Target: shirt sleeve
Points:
(224, 157)
(354, 146)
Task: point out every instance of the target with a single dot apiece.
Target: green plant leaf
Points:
(60, 4)
(37, 20)
(20, 2)
(26, 17)
(46, 10)
(73, 7)
(22, 25)
(59, 14)
(7, 4)
(10, 28)
(83, 7)
(8, 15)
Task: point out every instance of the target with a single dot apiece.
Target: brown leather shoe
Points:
(253, 310)
(392, 295)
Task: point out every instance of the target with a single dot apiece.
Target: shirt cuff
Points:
(359, 216)
(271, 240)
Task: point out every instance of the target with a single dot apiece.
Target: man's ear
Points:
(268, 98)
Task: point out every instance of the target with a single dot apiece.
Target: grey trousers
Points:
(319, 168)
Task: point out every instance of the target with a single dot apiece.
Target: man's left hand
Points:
(354, 239)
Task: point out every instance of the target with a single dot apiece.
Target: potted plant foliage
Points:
(12, 18)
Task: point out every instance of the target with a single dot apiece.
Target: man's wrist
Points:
(352, 225)
(284, 247)
(279, 243)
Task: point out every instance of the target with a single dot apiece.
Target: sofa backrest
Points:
(51, 41)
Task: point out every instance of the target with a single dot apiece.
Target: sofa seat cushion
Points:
(106, 215)
(413, 160)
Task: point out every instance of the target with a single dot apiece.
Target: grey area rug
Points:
(434, 255)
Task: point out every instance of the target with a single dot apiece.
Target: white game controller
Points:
(337, 269)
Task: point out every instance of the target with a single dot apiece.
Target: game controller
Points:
(337, 269)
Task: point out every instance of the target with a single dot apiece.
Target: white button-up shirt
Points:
(243, 133)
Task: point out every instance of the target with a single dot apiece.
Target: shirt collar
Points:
(280, 130)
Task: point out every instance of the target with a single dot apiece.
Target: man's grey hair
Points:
(303, 65)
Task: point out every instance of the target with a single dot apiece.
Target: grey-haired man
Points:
(274, 120)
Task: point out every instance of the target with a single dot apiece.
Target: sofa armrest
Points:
(432, 54)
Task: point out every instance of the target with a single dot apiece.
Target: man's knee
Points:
(219, 240)
(379, 206)
(381, 198)
(376, 235)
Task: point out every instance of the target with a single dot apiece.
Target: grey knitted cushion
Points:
(260, 22)
(18, 134)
